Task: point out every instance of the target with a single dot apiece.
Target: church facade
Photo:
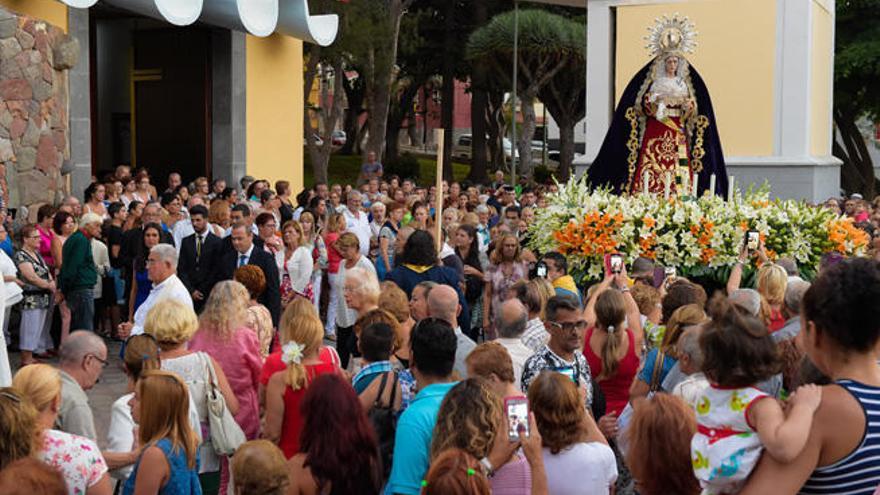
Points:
(193, 86)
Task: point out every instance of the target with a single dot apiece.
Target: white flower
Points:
(292, 352)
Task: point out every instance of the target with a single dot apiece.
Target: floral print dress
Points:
(502, 277)
(77, 459)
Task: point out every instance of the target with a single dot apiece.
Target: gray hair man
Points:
(443, 304)
(690, 362)
(83, 357)
(794, 294)
(162, 270)
(512, 318)
(749, 300)
(79, 274)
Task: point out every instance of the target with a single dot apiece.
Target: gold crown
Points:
(676, 34)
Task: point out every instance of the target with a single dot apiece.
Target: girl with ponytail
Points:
(613, 342)
(301, 336)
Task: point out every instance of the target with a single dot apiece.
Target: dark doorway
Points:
(151, 95)
(172, 102)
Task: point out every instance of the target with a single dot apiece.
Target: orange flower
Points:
(649, 222)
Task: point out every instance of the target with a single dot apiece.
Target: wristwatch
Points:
(488, 470)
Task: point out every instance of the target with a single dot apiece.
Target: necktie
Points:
(242, 260)
(198, 246)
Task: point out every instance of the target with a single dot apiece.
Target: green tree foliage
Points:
(856, 89)
(547, 42)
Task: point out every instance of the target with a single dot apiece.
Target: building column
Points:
(80, 111)
(600, 78)
(229, 86)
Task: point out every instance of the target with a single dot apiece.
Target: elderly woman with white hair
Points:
(347, 315)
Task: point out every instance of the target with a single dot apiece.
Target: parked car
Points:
(462, 147)
(338, 138)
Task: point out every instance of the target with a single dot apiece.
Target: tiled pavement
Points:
(111, 386)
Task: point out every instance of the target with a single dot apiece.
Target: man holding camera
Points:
(555, 269)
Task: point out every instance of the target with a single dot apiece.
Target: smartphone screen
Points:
(753, 239)
(517, 417)
(616, 263)
(541, 270)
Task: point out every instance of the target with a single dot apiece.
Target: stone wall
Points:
(34, 94)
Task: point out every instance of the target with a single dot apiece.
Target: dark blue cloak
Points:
(610, 167)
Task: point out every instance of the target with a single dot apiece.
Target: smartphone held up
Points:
(517, 410)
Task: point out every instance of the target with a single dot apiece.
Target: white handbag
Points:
(226, 435)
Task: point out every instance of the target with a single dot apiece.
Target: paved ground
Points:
(111, 386)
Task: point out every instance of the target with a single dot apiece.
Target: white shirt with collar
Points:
(170, 288)
(359, 226)
(247, 256)
(519, 353)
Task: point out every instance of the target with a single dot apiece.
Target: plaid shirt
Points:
(535, 336)
(372, 368)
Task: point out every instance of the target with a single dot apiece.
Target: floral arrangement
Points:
(700, 237)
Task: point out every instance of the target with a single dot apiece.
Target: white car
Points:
(462, 147)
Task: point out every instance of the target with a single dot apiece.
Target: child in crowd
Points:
(734, 422)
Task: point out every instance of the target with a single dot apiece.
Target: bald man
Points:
(512, 319)
(443, 304)
(82, 356)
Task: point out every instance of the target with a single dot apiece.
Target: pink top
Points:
(241, 362)
(46, 237)
(513, 478)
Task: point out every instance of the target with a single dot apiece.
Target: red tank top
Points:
(615, 388)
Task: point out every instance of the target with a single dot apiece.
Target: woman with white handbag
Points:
(173, 324)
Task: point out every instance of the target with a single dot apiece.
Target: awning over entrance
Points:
(257, 17)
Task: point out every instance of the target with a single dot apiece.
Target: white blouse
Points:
(299, 268)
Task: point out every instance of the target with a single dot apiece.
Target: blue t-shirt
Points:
(182, 479)
(6, 246)
(648, 370)
(412, 442)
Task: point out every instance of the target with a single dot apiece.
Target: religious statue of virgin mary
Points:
(663, 129)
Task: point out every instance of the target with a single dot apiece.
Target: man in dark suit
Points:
(245, 252)
(198, 257)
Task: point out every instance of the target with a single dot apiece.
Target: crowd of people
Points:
(330, 343)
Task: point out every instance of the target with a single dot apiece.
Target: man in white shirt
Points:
(512, 318)
(356, 221)
(443, 304)
(162, 270)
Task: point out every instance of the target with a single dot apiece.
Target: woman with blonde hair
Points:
(506, 267)
(314, 243)
(77, 458)
(173, 324)
(223, 335)
(170, 459)
(298, 312)
(18, 426)
(296, 264)
(259, 319)
(141, 355)
(302, 335)
(772, 280)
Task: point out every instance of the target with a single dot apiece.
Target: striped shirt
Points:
(859, 472)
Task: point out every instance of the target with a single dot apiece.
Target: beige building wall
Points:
(821, 78)
(275, 109)
(735, 55)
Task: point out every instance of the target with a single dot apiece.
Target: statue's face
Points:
(671, 65)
